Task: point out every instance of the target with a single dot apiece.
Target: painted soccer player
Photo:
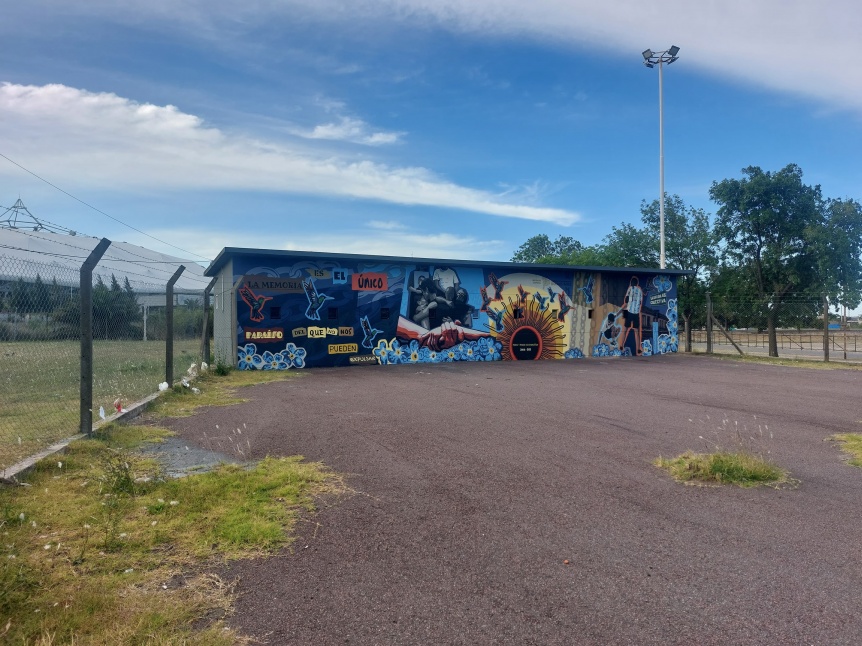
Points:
(632, 306)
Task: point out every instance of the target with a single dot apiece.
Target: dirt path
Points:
(476, 481)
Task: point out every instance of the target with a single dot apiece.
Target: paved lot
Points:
(474, 482)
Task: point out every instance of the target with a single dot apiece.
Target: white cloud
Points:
(352, 130)
(807, 48)
(101, 140)
(374, 241)
(388, 225)
(799, 46)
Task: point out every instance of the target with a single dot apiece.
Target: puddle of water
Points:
(179, 458)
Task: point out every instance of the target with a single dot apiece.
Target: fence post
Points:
(205, 337)
(85, 291)
(686, 328)
(825, 327)
(169, 326)
(709, 322)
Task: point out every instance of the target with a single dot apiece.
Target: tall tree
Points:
(689, 245)
(540, 248)
(839, 244)
(767, 224)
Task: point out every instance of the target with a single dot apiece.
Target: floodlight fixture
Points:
(651, 59)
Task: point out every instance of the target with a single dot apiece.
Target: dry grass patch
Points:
(816, 364)
(100, 549)
(851, 443)
(215, 390)
(722, 467)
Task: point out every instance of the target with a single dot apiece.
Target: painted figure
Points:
(632, 305)
(461, 312)
(447, 281)
(611, 330)
(428, 300)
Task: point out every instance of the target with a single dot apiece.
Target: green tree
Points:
(630, 246)
(839, 246)
(540, 248)
(768, 224)
(40, 298)
(20, 299)
(689, 245)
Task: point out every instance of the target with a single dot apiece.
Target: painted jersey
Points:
(636, 298)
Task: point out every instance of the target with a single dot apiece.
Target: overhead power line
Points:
(90, 206)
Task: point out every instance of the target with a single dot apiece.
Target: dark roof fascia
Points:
(227, 252)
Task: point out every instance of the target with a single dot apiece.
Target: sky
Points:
(427, 128)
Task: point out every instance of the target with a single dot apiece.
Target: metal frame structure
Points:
(651, 59)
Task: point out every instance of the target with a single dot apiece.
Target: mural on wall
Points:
(324, 313)
(640, 321)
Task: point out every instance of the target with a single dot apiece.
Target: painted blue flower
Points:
(673, 343)
(449, 354)
(412, 352)
(663, 343)
(601, 350)
(627, 352)
(433, 356)
(274, 361)
(616, 352)
(294, 356)
(646, 348)
(488, 349)
(469, 351)
(425, 355)
(574, 353)
(382, 352)
(662, 283)
(248, 357)
(397, 352)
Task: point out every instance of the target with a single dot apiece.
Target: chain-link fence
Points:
(795, 326)
(42, 346)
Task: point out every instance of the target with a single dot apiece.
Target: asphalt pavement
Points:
(517, 503)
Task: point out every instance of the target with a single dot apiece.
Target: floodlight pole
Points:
(661, 260)
(650, 60)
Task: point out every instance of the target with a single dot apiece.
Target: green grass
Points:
(817, 364)
(94, 554)
(723, 467)
(215, 390)
(851, 443)
(40, 386)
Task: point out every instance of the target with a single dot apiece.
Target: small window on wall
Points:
(275, 312)
(384, 312)
(333, 314)
(518, 313)
(589, 313)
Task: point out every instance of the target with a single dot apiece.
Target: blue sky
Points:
(411, 127)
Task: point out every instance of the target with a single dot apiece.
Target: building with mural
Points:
(277, 310)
